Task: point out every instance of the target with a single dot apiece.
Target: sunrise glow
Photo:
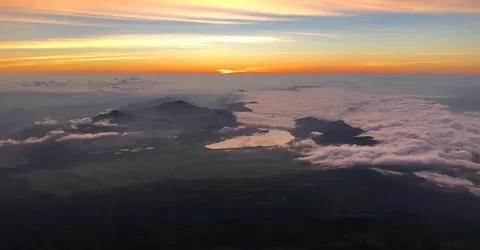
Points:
(389, 36)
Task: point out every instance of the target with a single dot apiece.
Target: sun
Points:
(246, 70)
(225, 71)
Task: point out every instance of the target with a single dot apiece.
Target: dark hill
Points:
(178, 106)
(147, 104)
(114, 115)
(333, 132)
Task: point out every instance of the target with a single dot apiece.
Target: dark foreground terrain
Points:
(343, 209)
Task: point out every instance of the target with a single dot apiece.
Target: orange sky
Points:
(381, 36)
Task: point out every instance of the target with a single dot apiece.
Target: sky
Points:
(241, 36)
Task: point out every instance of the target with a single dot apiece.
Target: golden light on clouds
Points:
(140, 41)
(397, 64)
(16, 19)
(47, 61)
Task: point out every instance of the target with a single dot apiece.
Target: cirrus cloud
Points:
(249, 10)
(141, 41)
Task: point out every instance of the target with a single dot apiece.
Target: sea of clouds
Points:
(412, 131)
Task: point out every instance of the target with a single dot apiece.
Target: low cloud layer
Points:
(106, 124)
(450, 182)
(45, 84)
(89, 121)
(86, 120)
(32, 140)
(58, 133)
(71, 137)
(412, 132)
(410, 129)
(128, 84)
(46, 121)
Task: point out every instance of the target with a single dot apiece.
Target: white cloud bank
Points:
(411, 130)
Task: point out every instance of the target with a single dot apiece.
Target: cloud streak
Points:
(442, 54)
(72, 137)
(86, 120)
(258, 10)
(313, 34)
(19, 19)
(69, 59)
(105, 124)
(399, 64)
(32, 140)
(141, 41)
(46, 121)
(387, 172)
(56, 57)
(449, 182)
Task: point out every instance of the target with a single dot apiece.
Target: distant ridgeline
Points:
(157, 127)
(55, 142)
